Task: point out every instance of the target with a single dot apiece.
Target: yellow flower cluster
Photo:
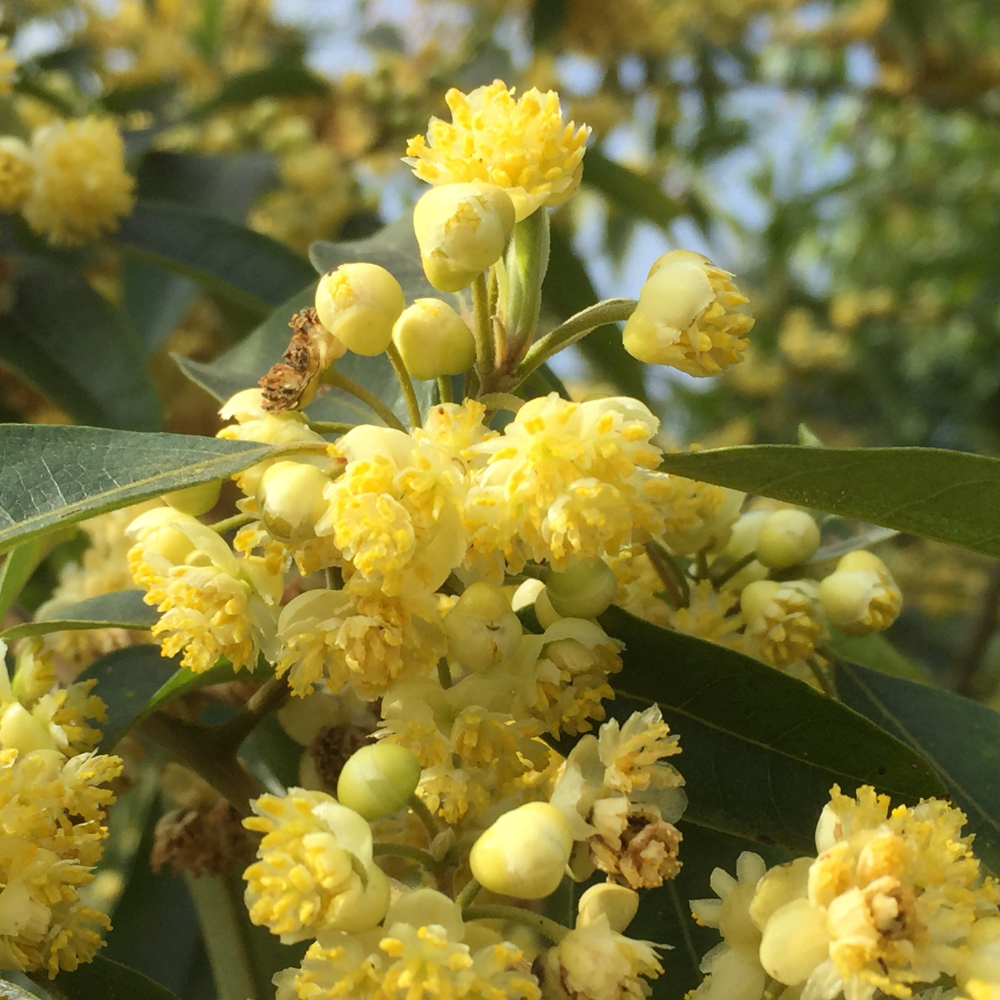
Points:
(892, 902)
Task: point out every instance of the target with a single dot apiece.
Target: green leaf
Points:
(959, 737)
(185, 680)
(52, 476)
(547, 17)
(948, 495)
(103, 979)
(127, 680)
(877, 653)
(75, 347)
(285, 77)
(121, 609)
(628, 190)
(252, 272)
(566, 290)
(760, 749)
(20, 563)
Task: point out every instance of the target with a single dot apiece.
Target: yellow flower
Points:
(689, 316)
(732, 968)
(860, 596)
(52, 833)
(16, 169)
(521, 145)
(708, 616)
(784, 621)
(890, 900)
(314, 871)
(565, 479)
(697, 515)
(80, 186)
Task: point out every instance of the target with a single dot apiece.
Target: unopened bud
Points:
(21, 731)
(787, 538)
(156, 533)
(359, 303)
(779, 886)
(616, 902)
(544, 612)
(860, 597)
(482, 629)
(433, 340)
(689, 316)
(195, 500)
(584, 589)
(290, 499)
(794, 941)
(378, 780)
(462, 230)
(756, 597)
(524, 853)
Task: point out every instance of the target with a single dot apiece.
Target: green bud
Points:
(359, 303)
(756, 597)
(290, 499)
(616, 902)
(482, 629)
(378, 780)
(195, 500)
(584, 589)
(433, 340)
(787, 538)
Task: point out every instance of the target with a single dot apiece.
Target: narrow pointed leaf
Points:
(629, 190)
(52, 476)
(122, 609)
(948, 495)
(760, 749)
(104, 979)
(959, 737)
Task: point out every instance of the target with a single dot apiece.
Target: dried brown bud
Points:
(634, 846)
(291, 384)
(202, 842)
(332, 749)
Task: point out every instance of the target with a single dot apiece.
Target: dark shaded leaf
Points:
(185, 680)
(959, 737)
(250, 270)
(948, 495)
(761, 749)
(104, 979)
(20, 563)
(877, 653)
(122, 609)
(52, 476)
(547, 17)
(74, 346)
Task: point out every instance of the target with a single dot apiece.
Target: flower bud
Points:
(482, 629)
(461, 230)
(795, 940)
(195, 500)
(524, 853)
(860, 597)
(787, 538)
(358, 304)
(583, 590)
(433, 340)
(290, 499)
(756, 597)
(779, 886)
(21, 731)
(616, 902)
(544, 612)
(156, 533)
(689, 316)
(378, 780)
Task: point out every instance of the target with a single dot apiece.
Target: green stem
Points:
(332, 377)
(268, 698)
(575, 328)
(722, 579)
(236, 521)
(469, 892)
(422, 857)
(549, 928)
(220, 930)
(193, 745)
(406, 384)
(330, 427)
(425, 816)
(483, 330)
(824, 679)
(502, 401)
(445, 395)
(670, 574)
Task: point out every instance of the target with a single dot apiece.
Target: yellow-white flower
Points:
(520, 145)
(314, 871)
(860, 596)
(784, 621)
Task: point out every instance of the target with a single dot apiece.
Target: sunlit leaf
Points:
(121, 609)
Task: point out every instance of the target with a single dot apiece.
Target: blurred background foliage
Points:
(843, 157)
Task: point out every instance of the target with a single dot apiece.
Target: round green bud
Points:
(787, 538)
(544, 612)
(616, 902)
(378, 780)
(482, 629)
(524, 853)
(461, 230)
(433, 340)
(290, 499)
(195, 500)
(358, 304)
(584, 589)
(756, 597)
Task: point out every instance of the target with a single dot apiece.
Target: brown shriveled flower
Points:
(333, 747)
(203, 841)
(292, 383)
(633, 844)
